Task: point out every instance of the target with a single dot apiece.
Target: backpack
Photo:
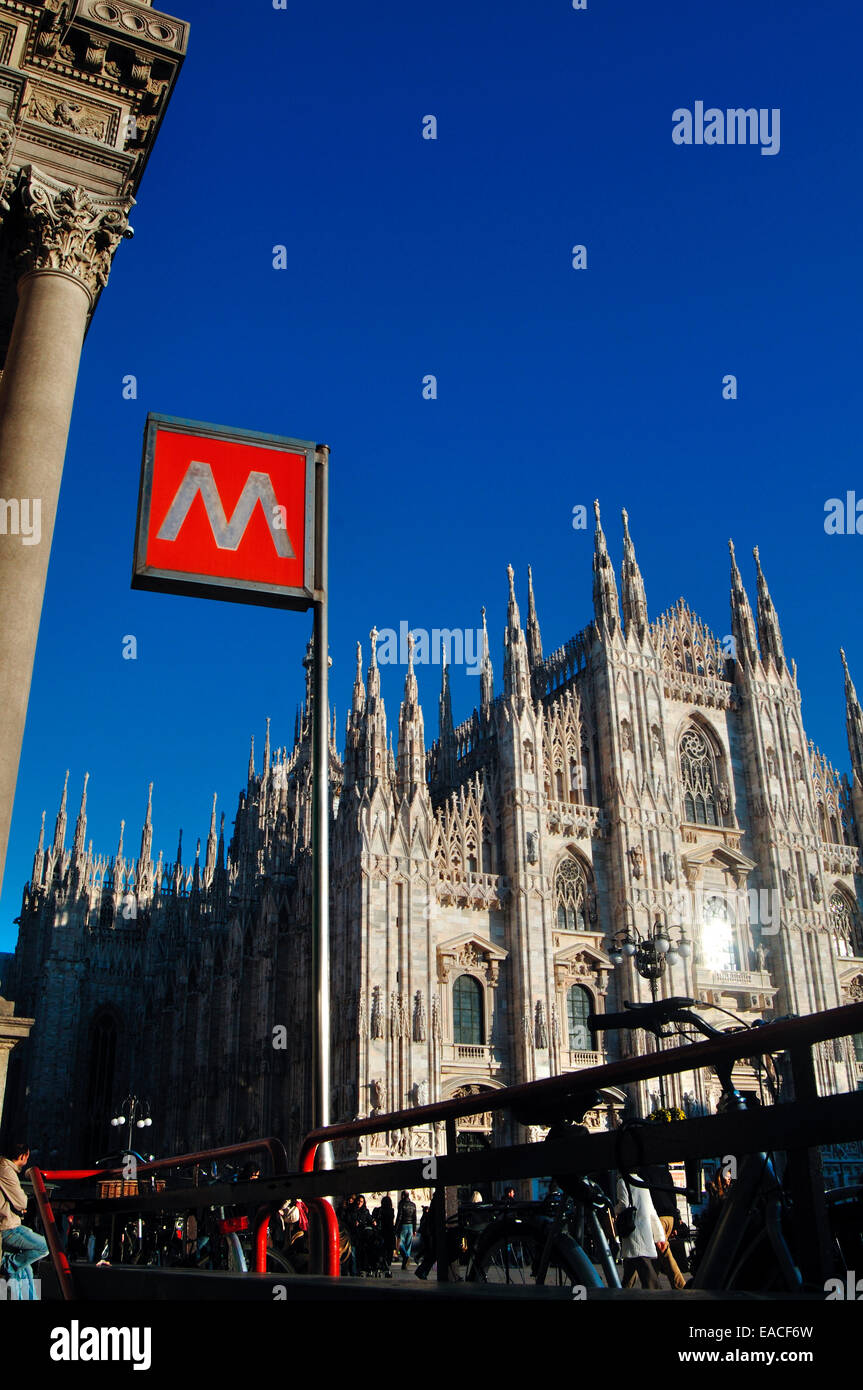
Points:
(626, 1221)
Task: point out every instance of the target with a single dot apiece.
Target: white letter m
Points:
(226, 534)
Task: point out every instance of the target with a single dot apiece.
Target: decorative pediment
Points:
(474, 953)
(851, 983)
(581, 960)
(716, 856)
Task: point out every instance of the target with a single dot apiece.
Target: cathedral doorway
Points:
(473, 1132)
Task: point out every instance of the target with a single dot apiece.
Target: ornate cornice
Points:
(67, 230)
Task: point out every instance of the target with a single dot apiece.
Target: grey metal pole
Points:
(321, 820)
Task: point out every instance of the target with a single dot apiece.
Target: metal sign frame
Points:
(232, 590)
(315, 596)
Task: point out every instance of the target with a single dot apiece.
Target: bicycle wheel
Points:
(277, 1263)
(513, 1257)
(236, 1255)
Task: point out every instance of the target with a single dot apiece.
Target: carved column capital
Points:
(69, 231)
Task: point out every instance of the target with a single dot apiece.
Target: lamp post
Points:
(650, 955)
(138, 1113)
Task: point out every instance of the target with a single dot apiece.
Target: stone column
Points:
(66, 242)
(12, 1031)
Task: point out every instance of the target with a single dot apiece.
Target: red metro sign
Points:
(226, 514)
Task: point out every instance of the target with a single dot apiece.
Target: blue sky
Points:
(409, 256)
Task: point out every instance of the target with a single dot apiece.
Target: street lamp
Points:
(651, 954)
(135, 1113)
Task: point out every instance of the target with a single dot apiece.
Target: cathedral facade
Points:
(488, 892)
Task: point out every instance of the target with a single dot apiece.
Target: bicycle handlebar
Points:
(649, 1016)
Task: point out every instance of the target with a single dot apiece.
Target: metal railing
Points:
(796, 1126)
(201, 1197)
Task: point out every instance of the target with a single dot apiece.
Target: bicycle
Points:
(748, 1246)
(526, 1245)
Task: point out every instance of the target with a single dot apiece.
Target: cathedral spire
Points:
(854, 724)
(486, 676)
(445, 724)
(412, 755)
(39, 856)
(515, 662)
(374, 762)
(358, 699)
(445, 769)
(210, 862)
(81, 824)
(633, 596)
(374, 676)
(178, 868)
(252, 762)
(147, 831)
(606, 605)
(742, 622)
(60, 825)
(534, 638)
(266, 753)
(769, 635)
(513, 617)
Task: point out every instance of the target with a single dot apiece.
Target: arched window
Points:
(579, 1006)
(858, 1046)
(570, 895)
(718, 948)
(845, 927)
(696, 777)
(100, 1098)
(467, 1010)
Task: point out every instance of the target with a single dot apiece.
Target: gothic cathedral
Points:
(488, 890)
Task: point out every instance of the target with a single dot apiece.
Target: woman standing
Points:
(639, 1245)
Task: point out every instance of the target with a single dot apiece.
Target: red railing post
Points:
(58, 1255)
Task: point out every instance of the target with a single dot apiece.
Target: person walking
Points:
(360, 1235)
(406, 1224)
(662, 1192)
(385, 1221)
(22, 1248)
(640, 1231)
